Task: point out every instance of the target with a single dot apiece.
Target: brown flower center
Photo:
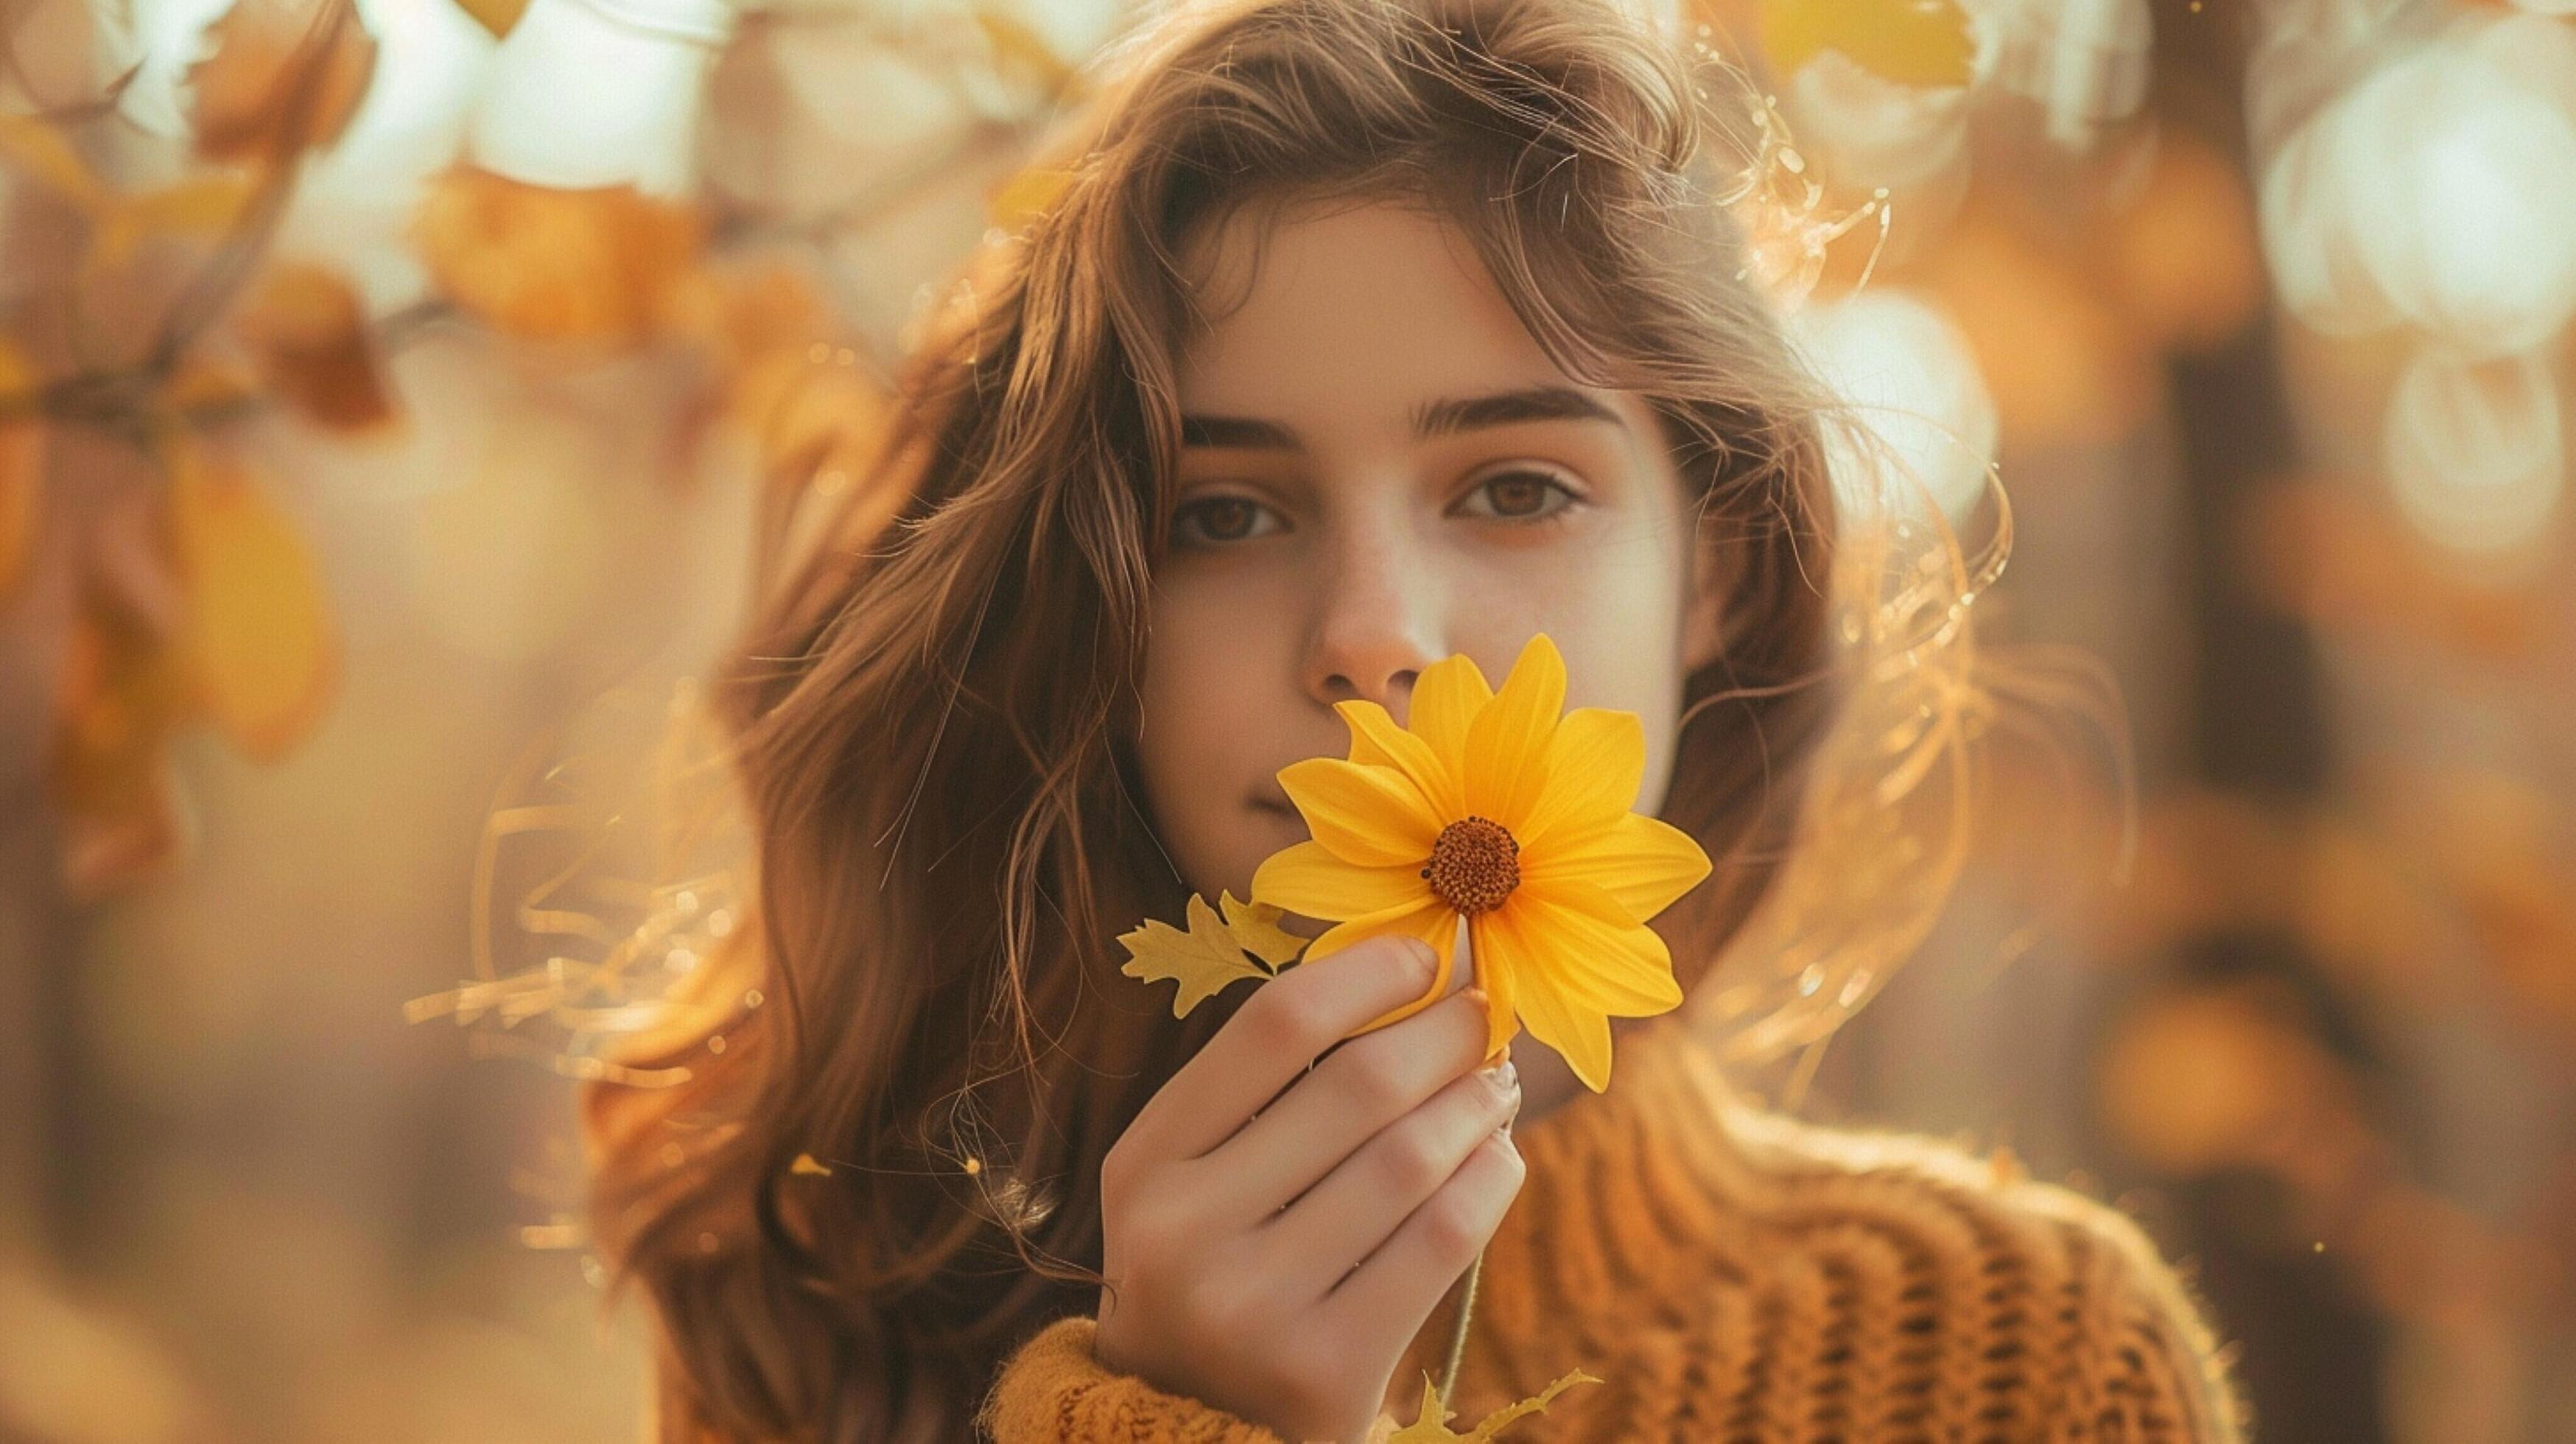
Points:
(1475, 864)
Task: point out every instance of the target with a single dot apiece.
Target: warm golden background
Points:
(384, 385)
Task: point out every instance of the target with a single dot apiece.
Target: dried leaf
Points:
(22, 462)
(1247, 942)
(257, 636)
(1911, 42)
(497, 16)
(1431, 1425)
(285, 75)
(118, 697)
(306, 325)
(594, 265)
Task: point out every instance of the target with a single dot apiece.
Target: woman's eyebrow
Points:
(1445, 417)
(1501, 408)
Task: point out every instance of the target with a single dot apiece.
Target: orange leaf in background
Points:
(2186, 265)
(2321, 551)
(599, 265)
(1911, 42)
(33, 147)
(285, 75)
(745, 313)
(309, 331)
(205, 389)
(1021, 53)
(22, 461)
(118, 697)
(497, 16)
(1026, 195)
(813, 418)
(2064, 366)
(201, 205)
(256, 634)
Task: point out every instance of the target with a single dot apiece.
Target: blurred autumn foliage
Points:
(361, 359)
(201, 601)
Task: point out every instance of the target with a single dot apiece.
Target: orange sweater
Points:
(1734, 1276)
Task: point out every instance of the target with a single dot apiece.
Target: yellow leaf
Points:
(1027, 195)
(203, 205)
(1431, 1426)
(1247, 942)
(36, 148)
(497, 16)
(22, 461)
(806, 1167)
(1911, 42)
(257, 636)
(1018, 48)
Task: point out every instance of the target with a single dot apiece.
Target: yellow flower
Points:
(1490, 807)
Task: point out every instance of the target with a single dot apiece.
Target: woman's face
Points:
(1381, 467)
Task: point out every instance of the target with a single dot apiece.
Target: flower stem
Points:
(1458, 1335)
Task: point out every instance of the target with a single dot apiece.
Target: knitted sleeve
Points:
(1054, 1390)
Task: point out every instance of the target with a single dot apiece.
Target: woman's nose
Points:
(1377, 625)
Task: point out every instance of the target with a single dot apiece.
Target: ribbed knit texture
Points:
(1738, 1278)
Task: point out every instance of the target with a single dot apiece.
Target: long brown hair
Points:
(933, 718)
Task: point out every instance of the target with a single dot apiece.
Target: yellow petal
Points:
(1306, 878)
(1595, 764)
(1580, 1033)
(1435, 923)
(1507, 743)
(1446, 698)
(1595, 955)
(1392, 746)
(1372, 816)
(1644, 862)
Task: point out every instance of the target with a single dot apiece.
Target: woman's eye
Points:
(1525, 495)
(1215, 520)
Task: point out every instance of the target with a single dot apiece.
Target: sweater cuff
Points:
(1055, 1391)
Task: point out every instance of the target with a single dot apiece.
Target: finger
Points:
(1331, 1113)
(1273, 1038)
(1357, 1206)
(1405, 1278)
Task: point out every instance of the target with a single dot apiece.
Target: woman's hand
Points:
(1274, 1252)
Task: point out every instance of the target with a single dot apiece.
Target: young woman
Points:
(1362, 333)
